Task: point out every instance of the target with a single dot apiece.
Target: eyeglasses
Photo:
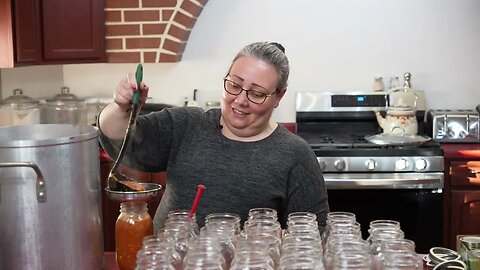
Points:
(254, 95)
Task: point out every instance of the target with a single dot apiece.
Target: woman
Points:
(245, 159)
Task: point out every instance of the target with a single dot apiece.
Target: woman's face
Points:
(241, 116)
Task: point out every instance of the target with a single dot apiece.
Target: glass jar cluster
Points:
(384, 249)
(223, 243)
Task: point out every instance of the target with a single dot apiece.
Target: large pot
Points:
(50, 208)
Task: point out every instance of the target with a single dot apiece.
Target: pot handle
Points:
(41, 189)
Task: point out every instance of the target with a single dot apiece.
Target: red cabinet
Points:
(55, 32)
(462, 195)
(27, 18)
(465, 216)
(73, 30)
(465, 173)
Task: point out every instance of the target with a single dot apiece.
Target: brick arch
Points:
(149, 31)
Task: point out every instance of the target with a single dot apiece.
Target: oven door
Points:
(415, 200)
(430, 180)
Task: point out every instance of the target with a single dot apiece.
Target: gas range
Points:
(355, 154)
(335, 126)
(397, 182)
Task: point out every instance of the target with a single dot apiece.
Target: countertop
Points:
(461, 150)
(111, 264)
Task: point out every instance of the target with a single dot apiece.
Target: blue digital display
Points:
(358, 100)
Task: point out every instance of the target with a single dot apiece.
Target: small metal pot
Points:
(19, 109)
(64, 108)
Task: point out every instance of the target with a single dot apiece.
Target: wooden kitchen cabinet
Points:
(55, 32)
(462, 194)
(27, 19)
(465, 214)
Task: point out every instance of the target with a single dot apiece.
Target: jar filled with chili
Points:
(133, 224)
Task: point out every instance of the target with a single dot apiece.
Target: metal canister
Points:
(469, 248)
(50, 198)
(471, 242)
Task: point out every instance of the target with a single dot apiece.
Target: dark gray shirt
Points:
(280, 171)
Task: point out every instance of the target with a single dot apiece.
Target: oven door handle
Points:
(384, 180)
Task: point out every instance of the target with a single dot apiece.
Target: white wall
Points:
(333, 45)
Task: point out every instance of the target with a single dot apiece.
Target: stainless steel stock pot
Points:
(50, 207)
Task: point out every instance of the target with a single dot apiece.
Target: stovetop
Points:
(352, 153)
(356, 145)
(335, 126)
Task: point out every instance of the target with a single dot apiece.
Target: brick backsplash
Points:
(149, 31)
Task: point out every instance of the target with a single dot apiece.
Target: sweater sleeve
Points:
(156, 135)
(306, 190)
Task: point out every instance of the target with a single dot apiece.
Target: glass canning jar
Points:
(19, 109)
(262, 213)
(351, 260)
(400, 261)
(64, 108)
(133, 224)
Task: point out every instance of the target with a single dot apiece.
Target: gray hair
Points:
(272, 53)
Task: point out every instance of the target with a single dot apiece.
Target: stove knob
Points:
(370, 164)
(322, 164)
(420, 164)
(339, 165)
(401, 164)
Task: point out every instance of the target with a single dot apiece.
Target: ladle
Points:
(116, 180)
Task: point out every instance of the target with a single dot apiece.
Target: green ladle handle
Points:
(133, 118)
(139, 78)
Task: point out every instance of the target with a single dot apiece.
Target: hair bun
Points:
(278, 45)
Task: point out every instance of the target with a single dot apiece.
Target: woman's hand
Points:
(123, 94)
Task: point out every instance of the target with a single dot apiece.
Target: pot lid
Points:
(18, 98)
(65, 96)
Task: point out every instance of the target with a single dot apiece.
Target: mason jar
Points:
(132, 226)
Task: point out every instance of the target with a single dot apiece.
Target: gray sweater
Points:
(280, 171)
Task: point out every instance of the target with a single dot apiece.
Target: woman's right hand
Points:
(123, 94)
(113, 119)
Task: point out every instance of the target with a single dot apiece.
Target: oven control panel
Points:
(383, 172)
(382, 164)
(359, 100)
(347, 102)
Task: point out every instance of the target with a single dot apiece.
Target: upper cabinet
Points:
(55, 32)
(28, 31)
